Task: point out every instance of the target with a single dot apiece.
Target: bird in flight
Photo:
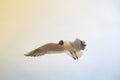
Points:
(73, 47)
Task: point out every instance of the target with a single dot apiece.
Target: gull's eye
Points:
(84, 44)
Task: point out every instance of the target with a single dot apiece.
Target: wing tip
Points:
(26, 54)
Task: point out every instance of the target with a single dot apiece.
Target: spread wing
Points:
(46, 49)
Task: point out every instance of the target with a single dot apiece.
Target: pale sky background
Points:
(28, 24)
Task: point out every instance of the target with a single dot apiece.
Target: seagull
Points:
(72, 47)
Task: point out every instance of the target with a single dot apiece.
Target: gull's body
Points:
(50, 48)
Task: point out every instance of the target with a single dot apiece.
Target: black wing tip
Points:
(26, 55)
(31, 55)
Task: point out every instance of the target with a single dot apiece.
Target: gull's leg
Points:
(73, 56)
(76, 55)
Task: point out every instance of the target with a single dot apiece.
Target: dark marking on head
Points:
(61, 42)
(83, 45)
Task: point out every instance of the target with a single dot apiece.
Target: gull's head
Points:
(83, 44)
